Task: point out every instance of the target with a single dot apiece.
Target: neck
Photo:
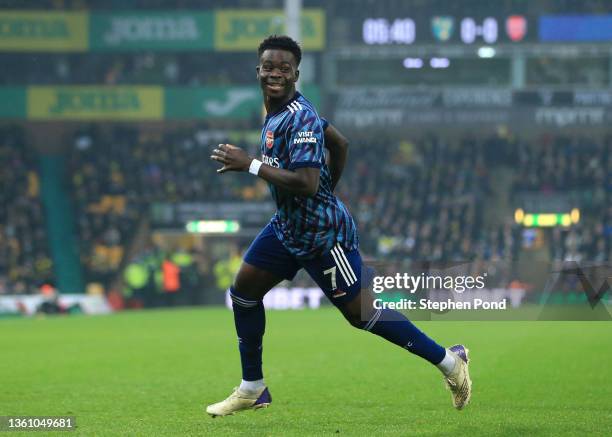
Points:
(273, 105)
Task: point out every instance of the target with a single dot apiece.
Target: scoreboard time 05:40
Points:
(381, 31)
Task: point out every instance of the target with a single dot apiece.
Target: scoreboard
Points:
(444, 29)
(480, 29)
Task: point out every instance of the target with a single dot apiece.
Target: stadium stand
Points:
(413, 200)
(25, 261)
(116, 175)
(580, 166)
(423, 200)
(436, 213)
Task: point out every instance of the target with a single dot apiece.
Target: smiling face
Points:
(277, 74)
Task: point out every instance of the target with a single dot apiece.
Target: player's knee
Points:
(242, 287)
(352, 313)
(242, 302)
(253, 283)
(354, 319)
(357, 323)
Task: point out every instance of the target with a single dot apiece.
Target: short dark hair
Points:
(281, 42)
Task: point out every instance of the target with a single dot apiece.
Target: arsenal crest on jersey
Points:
(269, 139)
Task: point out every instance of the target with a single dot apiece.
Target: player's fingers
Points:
(220, 159)
(221, 146)
(222, 169)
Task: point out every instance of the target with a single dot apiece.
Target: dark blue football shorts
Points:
(337, 273)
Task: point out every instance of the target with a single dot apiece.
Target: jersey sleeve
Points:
(324, 124)
(305, 141)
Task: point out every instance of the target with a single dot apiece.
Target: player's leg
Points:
(342, 284)
(345, 291)
(266, 263)
(393, 326)
(247, 293)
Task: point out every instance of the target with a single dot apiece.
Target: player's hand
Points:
(233, 158)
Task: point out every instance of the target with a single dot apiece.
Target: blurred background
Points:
(479, 132)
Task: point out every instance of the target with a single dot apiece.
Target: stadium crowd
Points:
(579, 168)
(25, 261)
(424, 200)
(413, 200)
(418, 200)
(117, 173)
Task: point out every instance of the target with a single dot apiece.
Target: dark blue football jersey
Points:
(291, 138)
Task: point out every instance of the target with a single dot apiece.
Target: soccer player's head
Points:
(277, 71)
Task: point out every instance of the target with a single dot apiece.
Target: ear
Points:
(297, 75)
(257, 70)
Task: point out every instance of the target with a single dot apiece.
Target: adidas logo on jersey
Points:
(294, 106)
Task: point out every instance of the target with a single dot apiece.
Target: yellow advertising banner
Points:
(27, 31)
(243, 29)
(95, 103)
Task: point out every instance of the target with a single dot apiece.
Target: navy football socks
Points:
(396, 328)
(250, 320)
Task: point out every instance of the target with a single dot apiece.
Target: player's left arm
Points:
(303, 181)
(337, 144)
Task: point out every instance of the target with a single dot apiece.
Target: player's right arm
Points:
(304, 142)
(303, 181)
(337, 144)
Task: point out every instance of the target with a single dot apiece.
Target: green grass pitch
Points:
(151, 373)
